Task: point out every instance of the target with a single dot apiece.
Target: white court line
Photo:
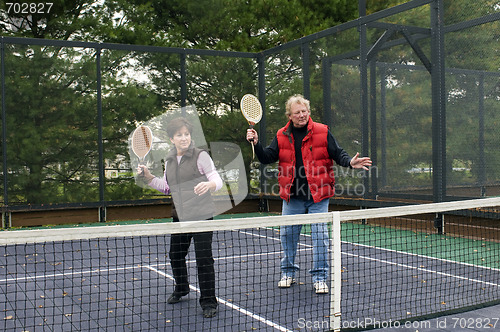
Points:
(423, 221)
(257, 317)
(150, 267)
(473, 226)
(155, 265)
(412, 254)
(424, 256)
(232, 257)
(301, 244)
(423, 269)
(259, 235)
(230, 305)
(63, 274)
(72, 273)
(408, 266)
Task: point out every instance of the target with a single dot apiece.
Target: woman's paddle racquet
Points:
(142, 140)
(252, 111)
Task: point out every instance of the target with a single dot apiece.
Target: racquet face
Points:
(142, 138)
(251, 108)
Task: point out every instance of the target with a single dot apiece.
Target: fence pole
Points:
(438, 102)
(102, 178)
(5, 214)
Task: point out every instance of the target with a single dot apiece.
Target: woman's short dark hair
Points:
(176, 124)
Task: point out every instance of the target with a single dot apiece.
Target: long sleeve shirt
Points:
(205, 166)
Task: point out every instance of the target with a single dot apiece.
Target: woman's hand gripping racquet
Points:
(252, 111)
(142, 140)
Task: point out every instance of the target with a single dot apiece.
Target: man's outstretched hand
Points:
(363, 162)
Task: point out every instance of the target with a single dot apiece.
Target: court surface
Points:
(484, 319)
(123, 285)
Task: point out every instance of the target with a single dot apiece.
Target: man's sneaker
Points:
(321, 287)
(286, 282)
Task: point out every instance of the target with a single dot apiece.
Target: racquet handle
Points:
(251, 143)
(251, 139)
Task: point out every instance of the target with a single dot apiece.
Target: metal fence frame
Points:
(367, 62)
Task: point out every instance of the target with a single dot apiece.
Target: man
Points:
(305, 151)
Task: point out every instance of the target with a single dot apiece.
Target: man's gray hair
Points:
(296, 99)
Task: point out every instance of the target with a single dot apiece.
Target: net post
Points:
(101, 213)
(6, 218)
(335, 275)
(439, 223)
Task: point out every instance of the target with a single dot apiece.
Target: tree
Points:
(64, 20)
(216, 83)
(238, 25)
(52, 96)
(52, 91)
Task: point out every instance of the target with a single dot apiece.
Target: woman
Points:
(190, 177)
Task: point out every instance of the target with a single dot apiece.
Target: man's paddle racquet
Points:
(252, 111)
(142, 140)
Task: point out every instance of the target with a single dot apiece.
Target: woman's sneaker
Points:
(286, 282)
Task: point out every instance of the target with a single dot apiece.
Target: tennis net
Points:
(386, 264)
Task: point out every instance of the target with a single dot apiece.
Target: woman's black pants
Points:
(179, 246)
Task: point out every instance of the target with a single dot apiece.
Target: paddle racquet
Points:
(142, 140)
(252, 111)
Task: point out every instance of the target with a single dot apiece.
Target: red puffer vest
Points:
(317, 163)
